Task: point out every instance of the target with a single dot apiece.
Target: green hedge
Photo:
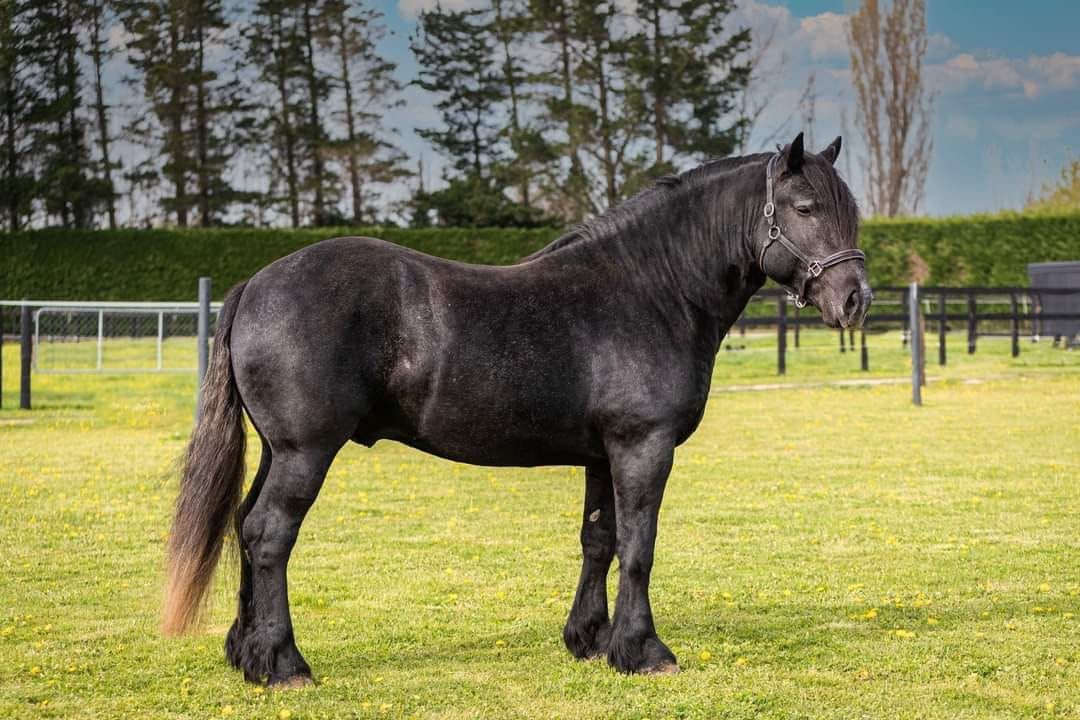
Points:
(164, 264)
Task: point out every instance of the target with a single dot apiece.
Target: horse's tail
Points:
(210, 486)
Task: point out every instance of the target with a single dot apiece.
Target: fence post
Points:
(101, 337)
(916, 345)
(972, 328)
(905, 308)
(26, 357)
(1015, 324)
(203, 337)
(781, 336)
(943, 319)
(160, 336)
(864, 354)
(2, 357)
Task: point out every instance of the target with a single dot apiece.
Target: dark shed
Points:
(1057, 275)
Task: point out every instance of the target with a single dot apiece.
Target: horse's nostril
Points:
(852, 304)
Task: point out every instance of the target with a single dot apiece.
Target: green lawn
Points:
(824, 552)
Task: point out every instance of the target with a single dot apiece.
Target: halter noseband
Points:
(813, 267)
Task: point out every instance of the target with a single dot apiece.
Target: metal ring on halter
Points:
(770, 209)
(772, 235)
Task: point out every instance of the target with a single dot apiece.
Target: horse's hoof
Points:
(292, 683)
(662, 669)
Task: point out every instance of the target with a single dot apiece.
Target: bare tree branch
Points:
(893, 104)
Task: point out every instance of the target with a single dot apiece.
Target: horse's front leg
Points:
(640, 471)
(588, 629)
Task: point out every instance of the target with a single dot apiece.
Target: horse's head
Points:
(806, 239)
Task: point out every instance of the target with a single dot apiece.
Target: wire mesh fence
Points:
(76, 340)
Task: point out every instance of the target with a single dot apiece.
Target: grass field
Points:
(824, 552)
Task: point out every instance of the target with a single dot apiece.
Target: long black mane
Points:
(647, 212)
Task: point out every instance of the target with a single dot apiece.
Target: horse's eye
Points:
(803, 209)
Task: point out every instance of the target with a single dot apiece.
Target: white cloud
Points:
(1031, 77)
(825, 35)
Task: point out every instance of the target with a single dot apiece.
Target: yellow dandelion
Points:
(931, 621)
(227, 710)
(500, 643)
(705, 656)
(740, 662)
(1044, 588)
(284, 714)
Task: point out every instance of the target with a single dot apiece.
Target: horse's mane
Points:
(641, 207)
(640, 210)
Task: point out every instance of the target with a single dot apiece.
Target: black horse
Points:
(596, 351)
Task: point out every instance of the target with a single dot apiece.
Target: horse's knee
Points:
(598, 543)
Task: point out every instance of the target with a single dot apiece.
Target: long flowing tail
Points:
(210, 486)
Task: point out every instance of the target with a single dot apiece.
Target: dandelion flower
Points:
(705, 656)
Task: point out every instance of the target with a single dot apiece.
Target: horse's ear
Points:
(832, 152)
(793, 154)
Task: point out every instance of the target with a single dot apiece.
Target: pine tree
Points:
(602, 76)
(688, 78)
(64, 187)
(97, 18)
(274, 48)
(18, 95)
(192, 105)
(458, 64)
(560, 111)
(351, 32)
(313, 131)
(159, 52)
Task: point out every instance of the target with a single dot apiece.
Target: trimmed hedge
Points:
(164, 264)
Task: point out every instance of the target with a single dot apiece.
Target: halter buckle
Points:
(770, 209)
(815, 268)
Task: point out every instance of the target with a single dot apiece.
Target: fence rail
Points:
(986, 312)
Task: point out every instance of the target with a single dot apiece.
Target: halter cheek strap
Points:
(814, 268)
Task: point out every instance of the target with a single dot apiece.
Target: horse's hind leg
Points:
(587, 629)
(268, 649)
(234, 642)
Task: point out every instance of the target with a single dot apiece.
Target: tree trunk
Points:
(98, 10)
(287, 133)
(72, 77)
(577, 170)
(350, 124)
(201, 129)
(658, 99)
(605, 126)
(175, 137)
(511, 83)
(315, 126)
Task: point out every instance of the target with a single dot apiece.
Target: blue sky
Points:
(1006, 74)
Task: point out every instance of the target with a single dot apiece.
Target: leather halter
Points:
(814, 268)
